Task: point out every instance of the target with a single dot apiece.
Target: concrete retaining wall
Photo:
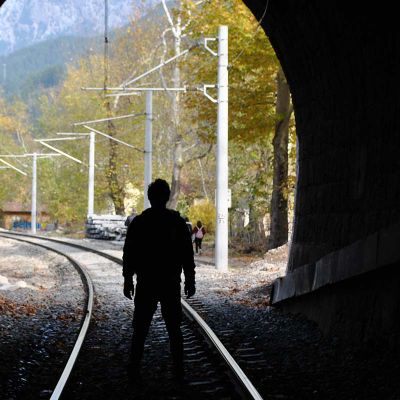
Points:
(353, 292)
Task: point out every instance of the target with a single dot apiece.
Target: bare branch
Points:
(164, 42)
(200, 156)
(203, 182)
(190, 147)
(169, 17)
(189, 21)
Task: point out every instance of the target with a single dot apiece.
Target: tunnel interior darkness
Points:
(341, 62)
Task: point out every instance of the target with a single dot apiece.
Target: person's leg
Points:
(200, 241)
(145, 306)
(171, 310)
(196, 241)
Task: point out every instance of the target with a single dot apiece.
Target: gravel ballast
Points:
(286, 356)
(41, 302)
(299, 362)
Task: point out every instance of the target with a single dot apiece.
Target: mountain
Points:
(43, 64)
(27, 22)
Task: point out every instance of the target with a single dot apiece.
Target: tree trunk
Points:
(117, 192)
(176, 175)
(279, 201)
(256, 227)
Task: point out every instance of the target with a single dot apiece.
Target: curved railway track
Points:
(245, 389)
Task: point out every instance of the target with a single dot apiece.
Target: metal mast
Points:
(34, 191)
(148, 146)
(221, 235)
(92, 139)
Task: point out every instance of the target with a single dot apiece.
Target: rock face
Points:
(25, 22)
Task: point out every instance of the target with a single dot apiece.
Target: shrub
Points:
(204, 212)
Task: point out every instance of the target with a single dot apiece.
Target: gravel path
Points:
(41, 300)
(295, 361)
(100, 371)
(285, 356)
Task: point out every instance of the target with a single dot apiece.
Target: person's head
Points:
(158, 193)
(199, 224)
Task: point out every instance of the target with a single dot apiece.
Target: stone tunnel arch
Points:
(341, 62)
(342, 72)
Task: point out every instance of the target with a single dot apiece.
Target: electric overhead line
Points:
(254, 34)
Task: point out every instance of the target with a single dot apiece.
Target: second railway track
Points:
(100, 371)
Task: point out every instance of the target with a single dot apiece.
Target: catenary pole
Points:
(221, 237)
(92, 139)
(34, 190)
(148, 146)
(35, 157)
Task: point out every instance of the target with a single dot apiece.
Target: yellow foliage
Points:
(204, 212)
(252, 71)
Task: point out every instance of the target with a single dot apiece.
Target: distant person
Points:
(199, 232)
(158, 266)
(130, 217)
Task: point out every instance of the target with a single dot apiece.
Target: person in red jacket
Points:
(199, 233)
(158, 263)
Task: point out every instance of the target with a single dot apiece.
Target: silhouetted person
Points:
(157, 247)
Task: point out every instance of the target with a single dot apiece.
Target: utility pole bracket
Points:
(204, 90)
(206, 40)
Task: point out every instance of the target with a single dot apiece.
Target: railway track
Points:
(219, 376)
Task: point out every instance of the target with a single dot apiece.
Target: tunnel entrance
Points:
(343, 267)
(347, 209)
(348, 180)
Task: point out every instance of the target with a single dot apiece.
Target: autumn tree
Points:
(252, 88)
(279, 201)
(14, 139)
(117, 167)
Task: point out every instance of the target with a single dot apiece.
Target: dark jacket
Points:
(157, 247)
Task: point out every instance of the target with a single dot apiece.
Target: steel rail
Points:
(88, 283)
(241, 378)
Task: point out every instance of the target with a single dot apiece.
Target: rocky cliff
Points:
(26, 22)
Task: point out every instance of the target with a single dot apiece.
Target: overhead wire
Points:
(254, 34)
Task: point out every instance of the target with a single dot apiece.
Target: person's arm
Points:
(128, 260)
(188, 263)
